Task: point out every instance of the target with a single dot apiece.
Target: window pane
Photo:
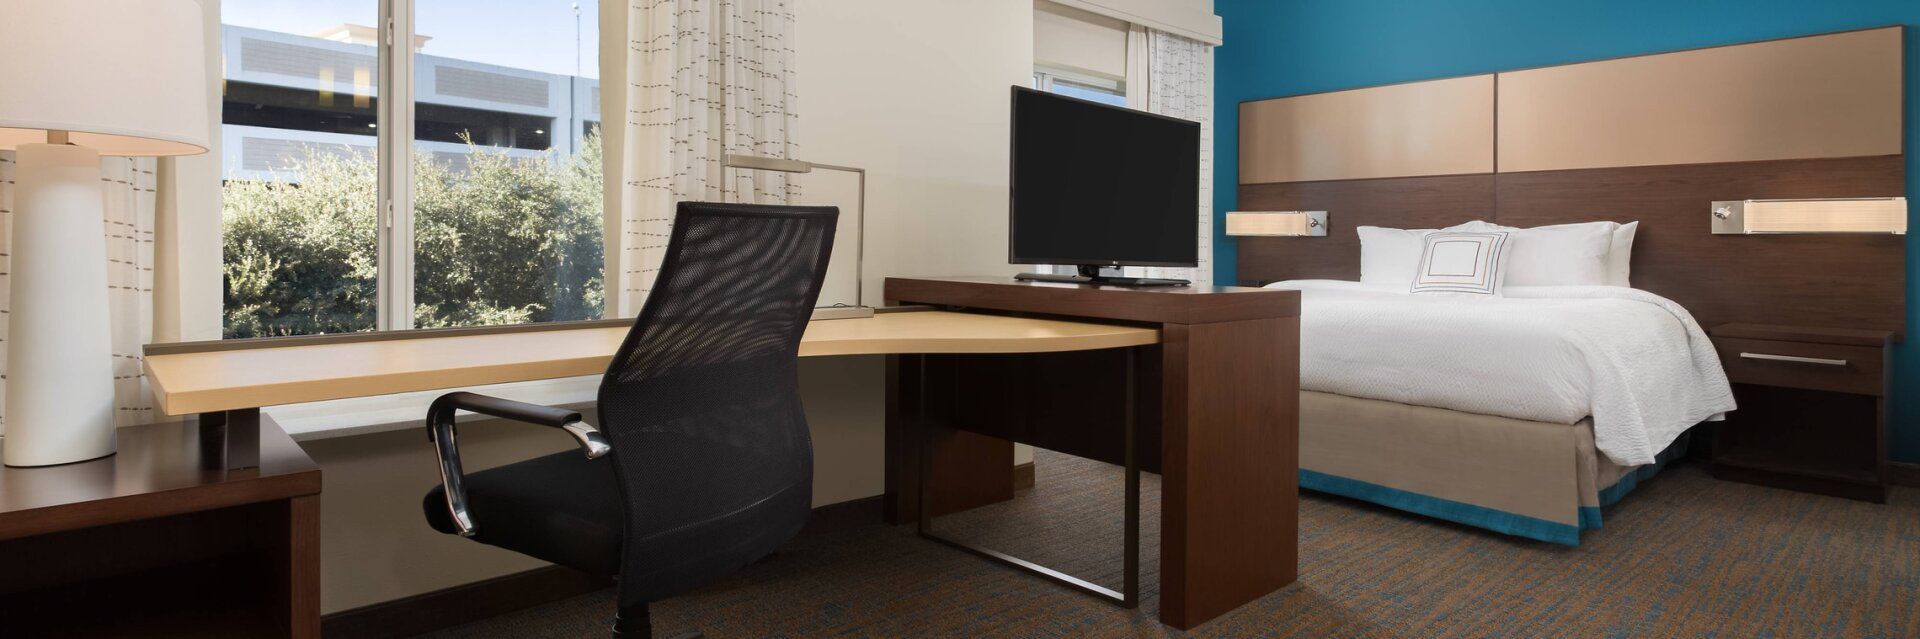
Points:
(507, 214)
(1084, 92)
(298, 166)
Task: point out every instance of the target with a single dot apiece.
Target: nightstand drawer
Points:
(1826, 367)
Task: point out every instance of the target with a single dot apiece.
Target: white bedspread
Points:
(1636, 362)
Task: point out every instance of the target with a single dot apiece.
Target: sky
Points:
(525, 34)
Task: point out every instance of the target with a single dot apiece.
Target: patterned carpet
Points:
(1684, 556)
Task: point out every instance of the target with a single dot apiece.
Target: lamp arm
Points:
(860, 223)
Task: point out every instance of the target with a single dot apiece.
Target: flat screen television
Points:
(1101, 186)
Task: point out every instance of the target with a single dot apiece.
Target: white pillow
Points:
(1463, 262)
(1388, 256)
(1558, 255)
(1620, 256)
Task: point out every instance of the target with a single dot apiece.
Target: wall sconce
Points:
(1835, 215)
(1277, 223)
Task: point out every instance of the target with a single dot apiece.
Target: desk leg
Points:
(1230, 441)
(230, 440)
(970, 470)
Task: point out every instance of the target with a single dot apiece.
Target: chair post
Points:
(632, 622)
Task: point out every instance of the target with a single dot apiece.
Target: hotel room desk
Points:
(1220, 391)
(1229, 493)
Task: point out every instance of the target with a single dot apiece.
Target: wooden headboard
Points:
(1649, 138)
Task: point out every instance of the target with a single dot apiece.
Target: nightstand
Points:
(156, 541)
(1812, 409)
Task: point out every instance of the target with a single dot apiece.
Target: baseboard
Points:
(430, 611)
(841, 516)
(1903, 474)
(1023, 476)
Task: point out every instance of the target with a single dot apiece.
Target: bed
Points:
(1525, 413)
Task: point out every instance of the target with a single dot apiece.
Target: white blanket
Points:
(1634, 361)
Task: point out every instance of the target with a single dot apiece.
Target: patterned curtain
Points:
(1180, 84)
(129, 184)
(705, 78)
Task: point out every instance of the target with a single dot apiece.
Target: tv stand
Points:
(1090, 274)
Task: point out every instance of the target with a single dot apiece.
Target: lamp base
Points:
(59, 373)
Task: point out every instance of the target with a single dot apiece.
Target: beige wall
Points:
(914, 91)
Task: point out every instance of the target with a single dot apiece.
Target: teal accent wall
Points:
(1288, 47)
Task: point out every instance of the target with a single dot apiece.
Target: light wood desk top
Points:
(210, 381)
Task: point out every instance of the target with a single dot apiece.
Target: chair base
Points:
(648, 634)
(633, 622)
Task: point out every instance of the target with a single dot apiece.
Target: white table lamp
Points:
(80, 79)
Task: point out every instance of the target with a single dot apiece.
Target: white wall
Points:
(916, 92)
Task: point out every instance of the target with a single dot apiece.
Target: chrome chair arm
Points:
(440, 431)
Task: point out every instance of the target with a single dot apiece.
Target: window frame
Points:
(395, 147)
(394, 243)
(1045, 77)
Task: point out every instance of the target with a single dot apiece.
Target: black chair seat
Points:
(562, 508)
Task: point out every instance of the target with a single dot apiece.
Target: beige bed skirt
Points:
(1531, 479)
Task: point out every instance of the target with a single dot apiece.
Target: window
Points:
(470, 196)
(1086, 88)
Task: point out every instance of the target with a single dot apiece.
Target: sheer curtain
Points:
(129, 185)
(1180, 84)
(705, 78)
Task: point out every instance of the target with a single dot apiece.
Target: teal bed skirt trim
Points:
(1457, 512)
(1495, 520)
(1590, 515)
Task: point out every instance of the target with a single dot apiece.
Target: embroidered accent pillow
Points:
(1470, 262)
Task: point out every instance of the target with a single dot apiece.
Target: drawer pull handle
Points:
(1795, 359)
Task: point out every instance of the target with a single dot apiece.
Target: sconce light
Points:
(1835, 215)
(1277, 223)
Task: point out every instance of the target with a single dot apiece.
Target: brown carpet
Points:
(1685, 555)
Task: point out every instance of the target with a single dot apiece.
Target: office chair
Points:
(702, 461)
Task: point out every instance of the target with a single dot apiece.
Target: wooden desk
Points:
(227, 382)
(151, 543)
(1220, 392)
(1227, 377)
(216, 378)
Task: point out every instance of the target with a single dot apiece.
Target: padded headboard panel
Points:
(1831, 127)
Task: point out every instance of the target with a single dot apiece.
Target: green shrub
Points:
(501, 240)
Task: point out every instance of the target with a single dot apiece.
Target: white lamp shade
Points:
(123, 77)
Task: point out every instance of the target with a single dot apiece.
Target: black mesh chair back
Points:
(702, 403)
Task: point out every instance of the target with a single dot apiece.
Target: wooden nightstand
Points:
(1812, 409)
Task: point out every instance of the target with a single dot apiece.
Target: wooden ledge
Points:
(209, 381)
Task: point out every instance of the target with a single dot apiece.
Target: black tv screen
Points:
(1103, 185)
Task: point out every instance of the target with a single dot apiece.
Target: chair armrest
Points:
(440, 431)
